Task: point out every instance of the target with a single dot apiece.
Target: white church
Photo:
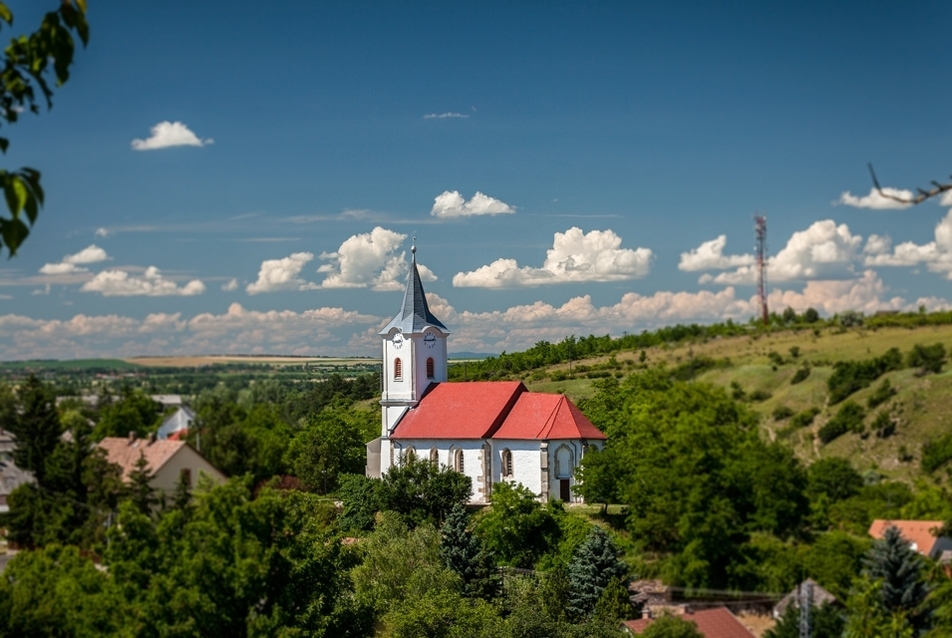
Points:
(491, 431)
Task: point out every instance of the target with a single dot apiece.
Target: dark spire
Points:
(414, 315)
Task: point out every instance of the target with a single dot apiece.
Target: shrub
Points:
(884, 426)
(805, 418)
(800, 375)
(927, 358)
(850, 376)
(794, 352)
(848, 419)
(737, 392)
(883, 392)
(775, 358)
(760, 395)
(782, 412)
(936, 453)
(851, 318)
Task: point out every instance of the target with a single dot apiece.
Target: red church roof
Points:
(544, 417)
(468, 410)
(497, 409)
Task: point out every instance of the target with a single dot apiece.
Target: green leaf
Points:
(13, 233)
(5, 14)
(4, 144)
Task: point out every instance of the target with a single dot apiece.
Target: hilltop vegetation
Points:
(871, 389)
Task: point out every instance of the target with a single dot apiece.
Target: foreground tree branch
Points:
(922, 196)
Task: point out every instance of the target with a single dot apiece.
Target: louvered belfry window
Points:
(397, 369)
(429, 368)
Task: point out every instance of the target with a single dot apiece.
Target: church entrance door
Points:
(564, 493)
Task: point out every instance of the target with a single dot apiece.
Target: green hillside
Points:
(920, 411)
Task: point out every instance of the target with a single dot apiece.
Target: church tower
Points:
(414, 356)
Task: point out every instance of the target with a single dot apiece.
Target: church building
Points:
(491, 431)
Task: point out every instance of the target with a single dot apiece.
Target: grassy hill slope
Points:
(921, 410)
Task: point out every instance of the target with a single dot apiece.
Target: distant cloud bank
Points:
(443, 116)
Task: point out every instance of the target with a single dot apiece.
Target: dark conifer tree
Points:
(141, 493)
(36, 426)
(904, 588)
(593, 567)
(463, 552)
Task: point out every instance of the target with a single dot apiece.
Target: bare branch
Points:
(918, 199)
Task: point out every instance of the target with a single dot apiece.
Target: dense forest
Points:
(298, 541)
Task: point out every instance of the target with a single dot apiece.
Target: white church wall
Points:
(473, 462)
(526, 463)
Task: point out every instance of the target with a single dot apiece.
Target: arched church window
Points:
(429, 368)
(434, 456)
(506, 463)
(397, 369)
(458, 461)
(410, 454)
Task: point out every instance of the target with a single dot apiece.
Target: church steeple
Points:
(415, 314)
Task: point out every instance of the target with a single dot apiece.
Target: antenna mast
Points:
(760, 228)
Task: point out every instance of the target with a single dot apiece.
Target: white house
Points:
(168, 461)
(491, 431)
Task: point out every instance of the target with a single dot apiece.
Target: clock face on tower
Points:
(397, 340)
(429, 339)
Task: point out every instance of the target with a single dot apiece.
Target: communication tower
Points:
(760, 228)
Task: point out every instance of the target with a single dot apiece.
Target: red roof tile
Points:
(543, 417)
(718, 622)
(497, 409)
(126, 453)
(918, 533)
(467, 410)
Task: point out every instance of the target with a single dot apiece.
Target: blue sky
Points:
(613, 146)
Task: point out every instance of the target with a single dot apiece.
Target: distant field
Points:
(207, 360)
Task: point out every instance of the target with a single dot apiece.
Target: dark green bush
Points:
(850, 376)
(884, 426)
(800, 375)
(760, 395)
(782, 412)
(775, 358)
(927, 358)
(883, 392)
(936, 453)
(805, 418)
(848, 419)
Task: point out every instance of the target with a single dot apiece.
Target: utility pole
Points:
(760, 229)
(806, 602)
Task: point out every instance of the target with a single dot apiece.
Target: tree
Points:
(833, 477)
(332, 443)
(27, 63)
(826, 621)
(899, 569)
(36, 427)
(463, 552)
(593, 568)
(517, 528)
(134, 411)
(422, 492)
(668, 626)
(141, 493)
(868, 617)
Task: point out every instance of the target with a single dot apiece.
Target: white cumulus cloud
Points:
(231, 284)
(102, 232)
(281, 274)
(936, 254)
(166, 134)
(876, 201)
(119, 283)
(370, 260)
(453, 204)
(825, 250)
(70, 264)
(575, 256)
(710, 256)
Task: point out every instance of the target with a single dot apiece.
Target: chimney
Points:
(151, 438)
(132, 437)
(646, 612)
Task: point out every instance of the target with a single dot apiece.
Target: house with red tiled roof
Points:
(168, 461)
(717, 622)
(921, 535)
(491, 431)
